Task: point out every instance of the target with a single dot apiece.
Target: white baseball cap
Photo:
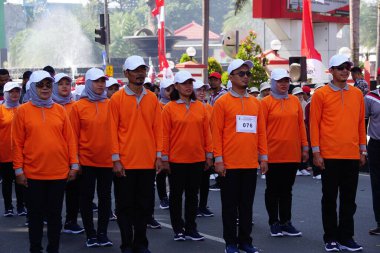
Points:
(278, 74)
(297, 90)
(254, 90)
(59, 76)
(78, 89)
(264, 86)
(133, 62)
(147, 80)
(182, 76)
(111, 81)
(94, 74)
(166, 83)
(237, 63)
(39, 75)
(199, 84)
(339, 59)
(11, 85)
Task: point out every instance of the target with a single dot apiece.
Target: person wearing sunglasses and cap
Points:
(90, 121)
(112, 86)
(136, 129)
(44, 148)
(239, 137)
(187, 151)
(287, 146)
(200, 90)
(12, 92)
(338, 140)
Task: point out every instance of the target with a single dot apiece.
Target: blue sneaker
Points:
(332, 246)
(231, 248)
(275, 230)
(289, 230)
(194, 236)
(248, 248)
(350, 245)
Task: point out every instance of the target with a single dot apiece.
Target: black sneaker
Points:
(194, 235)
(375, 231)
(289, 230)
(350, 245)
(21, 211)
(248, 248)
(154, 224)
(231, 248)
(72, 228)
(205, 212)
(332, 246)
(275, 230)
(143, 250)
(9, 213)
(214, 187)
(164, 203)
(103, 241)
(199, 214)
(179, 237)
(113, 216)
(92, 242)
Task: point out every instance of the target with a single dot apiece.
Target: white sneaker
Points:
(263, 177)
(299, 173)
(305, 172)
(212, 177)
(318, 177)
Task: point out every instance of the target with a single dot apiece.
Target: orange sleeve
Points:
(157, 128)
(301, 123)
(362, 130)
(71, 143)
(315, 119)
(18, 140)
(217, 125)
(166, 123)
(207, 134)
(114, 117)
(262, 135)
(75, 124)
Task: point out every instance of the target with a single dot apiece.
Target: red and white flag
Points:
(159, 12)
(315, 69)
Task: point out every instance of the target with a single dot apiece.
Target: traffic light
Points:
(102, 35)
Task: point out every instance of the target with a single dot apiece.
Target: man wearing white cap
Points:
(254, 91)
(237, 121)
(338, 140)
(264, 90)
(136, 128)
(112, 86)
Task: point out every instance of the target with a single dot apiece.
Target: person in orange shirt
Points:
(200, 90)
(338, 139)
(43, 149)
(62, 95)
(90, 122)
(187, 146)
(286, 136)
(136, 129)
(239, 137)
(12, 93)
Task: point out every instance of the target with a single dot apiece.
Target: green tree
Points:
(184, 58)
(214, 66)
(368, 18)
(249, 51)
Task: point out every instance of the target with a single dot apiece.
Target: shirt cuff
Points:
(363, 147)
(209, 155)
(115, 157)
(263, 158)
(305, 148)
(19, 171)
(165, 158)
(158, 154)
(315, 149)
(219, 159)
(75, 166)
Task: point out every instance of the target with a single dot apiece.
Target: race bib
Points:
(246, 124)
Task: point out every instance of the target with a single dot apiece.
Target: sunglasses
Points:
(40, 85)
(343, 67)
(243, 73)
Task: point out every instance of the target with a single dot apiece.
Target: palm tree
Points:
(354, 30)
(239, 4)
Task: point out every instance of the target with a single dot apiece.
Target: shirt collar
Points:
(237, 95)
(336, 88)
(180, 101)
(130, 92)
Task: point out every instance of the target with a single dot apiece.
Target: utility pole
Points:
(354, 30)
(107, 34)
(205, 39)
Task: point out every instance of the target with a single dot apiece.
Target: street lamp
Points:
(190, 51)
(275, 46)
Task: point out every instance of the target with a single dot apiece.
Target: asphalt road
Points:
(306, 217)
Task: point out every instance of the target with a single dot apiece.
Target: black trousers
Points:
(72, 200)
(161, 184)
(102, 177)
(204, 188)
(339, 175)
(237, 191)
(134, 202)
(374, 170)
(278, 194)
(45, 197)
(184, 178)
(8, 175)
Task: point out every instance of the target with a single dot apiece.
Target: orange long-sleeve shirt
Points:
(69, 107)
(337, 125)
(136, 128)
(286, 132)
(209, 110)
(43, 143)
(238, 150)
(91, 125)
(6, 117)
(186, 132)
